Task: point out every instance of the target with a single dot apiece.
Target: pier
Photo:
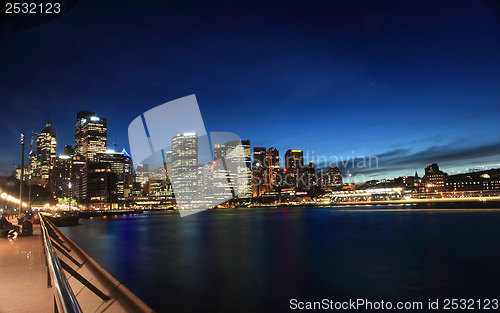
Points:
(47, 272)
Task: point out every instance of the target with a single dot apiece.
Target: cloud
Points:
(404, 159)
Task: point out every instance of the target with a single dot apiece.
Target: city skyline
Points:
(350, 165)
(412, 84)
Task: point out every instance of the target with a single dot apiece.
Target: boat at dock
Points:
(64, 219)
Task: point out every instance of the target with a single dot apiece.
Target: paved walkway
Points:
(23, 275)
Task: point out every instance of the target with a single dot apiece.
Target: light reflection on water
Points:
(255, 260)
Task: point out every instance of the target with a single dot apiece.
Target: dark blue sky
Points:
(412, 82)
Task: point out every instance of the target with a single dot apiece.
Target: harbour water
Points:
(257, 259)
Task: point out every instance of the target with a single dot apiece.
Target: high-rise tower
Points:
(185, 167)
(46, 146)
(238, 156)
(90, 134)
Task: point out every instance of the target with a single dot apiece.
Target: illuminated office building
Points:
(333, 177)
(259, 171)
(185, 167)
(61, 176)
(120, 170)
(294, 164)
(238, 159)
(273, 177)
(434, 179)
(42, 158)
(78, 183)
(90, 135)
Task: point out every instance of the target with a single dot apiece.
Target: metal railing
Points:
(64, 297)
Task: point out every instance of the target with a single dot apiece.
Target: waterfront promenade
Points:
(24, 275)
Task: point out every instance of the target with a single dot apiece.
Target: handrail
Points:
(64, 293)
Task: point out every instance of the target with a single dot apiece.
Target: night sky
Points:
(412, 82)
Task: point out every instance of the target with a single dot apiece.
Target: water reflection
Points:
(255, 260)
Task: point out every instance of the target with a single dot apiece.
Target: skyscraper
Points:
(60, 176)
(42, 161)
(259, 171)
(81, 119)
(90, 135)
(294, 164)
(238, 158)
(78, 179)
(333, 177)
(273, 178)
(221, 185)
(120, 165)
(184, 168)
(259, 157)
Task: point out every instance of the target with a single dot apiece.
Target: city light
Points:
(12, 199)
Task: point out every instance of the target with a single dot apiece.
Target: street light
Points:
(69, 206)
(21, 177)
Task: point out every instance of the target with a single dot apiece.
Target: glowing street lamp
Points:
(69, 205)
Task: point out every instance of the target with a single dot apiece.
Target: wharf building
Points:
(487, 180)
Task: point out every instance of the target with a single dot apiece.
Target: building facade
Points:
(185, 167)
(42, 157)
(294, 168)
(90, 135)
(434, 179)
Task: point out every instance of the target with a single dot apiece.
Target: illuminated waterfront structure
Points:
(476, 180)
(90, 135)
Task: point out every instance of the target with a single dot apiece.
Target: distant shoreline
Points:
(420, 201)
(404, 201)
